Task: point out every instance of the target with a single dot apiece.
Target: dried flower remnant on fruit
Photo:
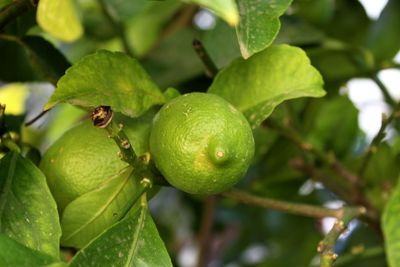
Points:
(102, 116)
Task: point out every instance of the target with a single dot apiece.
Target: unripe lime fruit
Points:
(84, 157)
(201, 143)
(79, 161)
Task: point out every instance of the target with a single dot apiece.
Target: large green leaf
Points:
(28, 212)
(14, 254)
(226, 9)
(257, 85)
(60, 19)
(88, 215)
(391, 228)
(259, 24)
(108, 78)
(384, 37)
(134, 241)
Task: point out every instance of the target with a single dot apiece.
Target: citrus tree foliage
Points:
(283, 64)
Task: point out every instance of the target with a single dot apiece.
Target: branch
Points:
(373, 147)
(211, 69)
(327, 246)
(289, 207)
(339, 189)
(102, 118)
(328, 159)
(205, 229)
(13, 10)
(388, 98)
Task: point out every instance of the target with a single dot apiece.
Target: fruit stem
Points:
(102, 118)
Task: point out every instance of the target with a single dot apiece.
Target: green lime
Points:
(201, 143)
(84, 157)
(79, 162)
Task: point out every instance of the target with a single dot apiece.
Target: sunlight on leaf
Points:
(226, 9)
(259, 24)
(60, 19)
(110, 79)
(14, 95)
(257, 85)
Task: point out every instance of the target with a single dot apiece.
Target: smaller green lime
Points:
(201, 143)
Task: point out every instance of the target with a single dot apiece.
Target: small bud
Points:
(125, 144)
(145, 158)
(146, 182)
(102, 116)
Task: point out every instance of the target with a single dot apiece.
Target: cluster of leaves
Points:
(268, 52)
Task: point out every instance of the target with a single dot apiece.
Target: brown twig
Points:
(211, 69)
(328, 159)
(205, 230)
(289, 207)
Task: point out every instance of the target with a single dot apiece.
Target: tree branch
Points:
(289, 207)
(373, 147)
(211, 69)
(388, 98)
(328, 159)
(327, 246)
(205, 229)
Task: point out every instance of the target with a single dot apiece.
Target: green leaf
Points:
(30, 58)
(88, 215)
(15, 254)
(226, 9)
(60, 19)
(28, 212)
(381, 175)
(257, 85)
(259, 24)
(330, 131)
(317, 12)
(108, 78)
(215, 41)
(174, 61)
(384, 38)
(391, 228)
(134, 241)
(144, 29)
(45, 58)
(348, 62)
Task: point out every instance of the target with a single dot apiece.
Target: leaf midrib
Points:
(101, 210)
(135, 241)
